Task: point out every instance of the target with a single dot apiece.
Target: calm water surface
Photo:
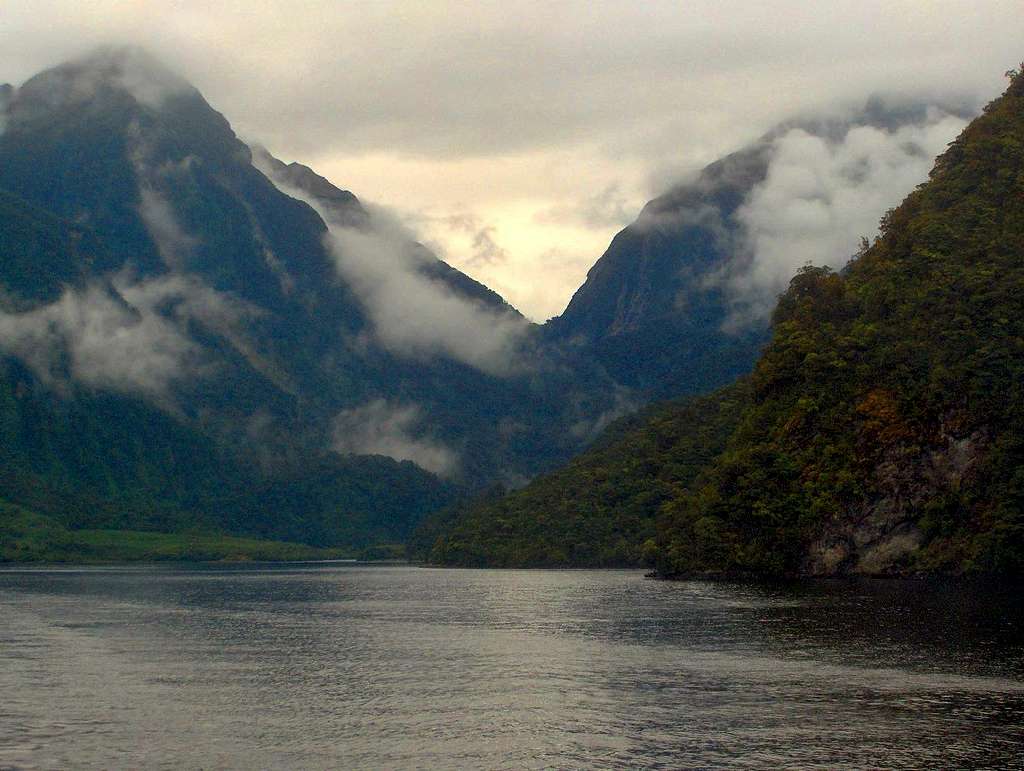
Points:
(329, 666)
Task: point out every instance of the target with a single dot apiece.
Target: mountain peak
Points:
(123, 69)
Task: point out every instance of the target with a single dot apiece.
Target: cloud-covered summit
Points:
(820, 196)
(127, 69)
(444, 109)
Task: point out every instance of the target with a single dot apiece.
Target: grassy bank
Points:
(29, 537)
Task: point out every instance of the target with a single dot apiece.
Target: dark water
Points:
(370, 667)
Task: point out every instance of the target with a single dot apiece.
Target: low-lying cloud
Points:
(127, 336)
(483, 248)
(393, 430)
(124, 67)
(819, 198)
(610, 207)
(96, 338)
(416, 316)
(413, 314)
(172, 242)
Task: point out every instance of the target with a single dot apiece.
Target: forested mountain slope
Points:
(663, 309)
(886, 433)
(186, 343)
(882, 431)
(600, 510)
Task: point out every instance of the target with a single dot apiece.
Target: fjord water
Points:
(314, 666)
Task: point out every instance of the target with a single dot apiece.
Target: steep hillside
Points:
(886, 433)
(599, 510)
(649, 311)
(187, 341)
(663, 309)
(881, 432)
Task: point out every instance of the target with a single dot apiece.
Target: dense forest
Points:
(600, 509)
(882, 430)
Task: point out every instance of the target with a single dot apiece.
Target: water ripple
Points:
(306, 666)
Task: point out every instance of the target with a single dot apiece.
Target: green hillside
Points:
(599, 509)
(883, 432)
(886, 433)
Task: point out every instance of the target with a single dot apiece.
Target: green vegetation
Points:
(108, 462)
(384, 552)
(29, 537)
(601, 508)
(882, 430)
(892, 393)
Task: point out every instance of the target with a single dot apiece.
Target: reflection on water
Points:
(305, 666)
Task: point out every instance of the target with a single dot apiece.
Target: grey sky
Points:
(515, 115)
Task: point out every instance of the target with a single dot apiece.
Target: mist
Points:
(97, 337)
(394, 430)
(416, 316)
(412, 314)
(820, 197)
(468, 111)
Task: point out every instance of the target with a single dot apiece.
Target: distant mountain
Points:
(344, 208)
(182, 331)
(880, 433)
(647, 311)
(655, 309)
(194, 333)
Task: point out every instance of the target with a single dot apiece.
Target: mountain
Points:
(190, 338)
(648, 310)
(197, 334)
(659, 309)
(342, 207)
(881, 431)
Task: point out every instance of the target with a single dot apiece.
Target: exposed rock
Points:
(883, 537)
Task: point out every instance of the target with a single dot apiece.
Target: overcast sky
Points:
(518, 137)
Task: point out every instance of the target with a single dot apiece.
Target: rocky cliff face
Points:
(883, 536)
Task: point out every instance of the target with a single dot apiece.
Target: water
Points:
(314, 666)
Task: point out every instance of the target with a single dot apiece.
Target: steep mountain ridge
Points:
(658, 308)
(151, 268)
(885, 430)
(881, 431)
(197, 333)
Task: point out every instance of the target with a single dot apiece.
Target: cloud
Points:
(588, 429)
(382, 428)
(172, 242)
(96, 338)
(486, 250)
(480, 80)
(820, 196)
(185, 298)
(141, 75)
(121, 67)
(483, 247)
(506, 115)
(126, 336)
(412, 314)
